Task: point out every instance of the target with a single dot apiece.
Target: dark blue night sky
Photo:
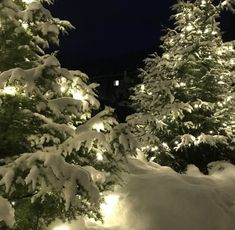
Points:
(114, 35)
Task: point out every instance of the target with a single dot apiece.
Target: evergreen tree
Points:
(26, 29)
(186, 100)
(57, 153)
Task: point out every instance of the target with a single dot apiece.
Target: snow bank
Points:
(157, 198)
(7, 213)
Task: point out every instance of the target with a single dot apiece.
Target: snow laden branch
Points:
(47, 172)
(62, 154)
(28, 29)
(185, 103)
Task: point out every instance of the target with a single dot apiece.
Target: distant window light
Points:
(116, 83)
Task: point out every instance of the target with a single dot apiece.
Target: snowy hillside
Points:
(157, 198)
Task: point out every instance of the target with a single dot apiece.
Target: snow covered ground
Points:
(157, 198)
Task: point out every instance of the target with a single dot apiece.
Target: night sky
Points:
(115, 35)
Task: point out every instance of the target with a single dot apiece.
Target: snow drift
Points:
(157, 198)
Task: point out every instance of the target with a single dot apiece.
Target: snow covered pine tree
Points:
(56, 155)
(186, 100)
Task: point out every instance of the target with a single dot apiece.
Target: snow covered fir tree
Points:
(59, 152)
(185, 103)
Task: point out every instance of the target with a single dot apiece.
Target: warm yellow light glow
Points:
(77, 95)
(25, 25)
(110, 202)
(28, 1)
(203, 3)
(189, 27)
(98, 126)
(142, 88)
(232, 61)
(220, 104)
(154, 148)
(166, 56)
(116, 83)
(219, 52)
(62, 89)
(145, 147)
(229, 98)
(61, 227)
(11, 90)
(165, 145)
(224, 3)
(99, 156)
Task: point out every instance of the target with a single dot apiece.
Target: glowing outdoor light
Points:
(232, 61)
(13, 203)
(25, 25)
(219, 52)
(224, 3)
(165, 145)
(99, 156)
(116, 83)
(28, 1)
(61, 227)
(98, 126)
(11, 90)
(77, 95)
(220, 104)
(167, 56)
(142, 88)
(182, 84)
(154, 148)
(189, 27)
(110, 202)
(203, 3)
(62, 89)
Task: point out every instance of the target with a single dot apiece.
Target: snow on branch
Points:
(47, 172)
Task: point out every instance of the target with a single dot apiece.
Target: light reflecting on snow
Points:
(77, 95)
(99, 156)
(11, 90)
(98, 126)
(61, 227)
(109, 205)
(28, 1)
